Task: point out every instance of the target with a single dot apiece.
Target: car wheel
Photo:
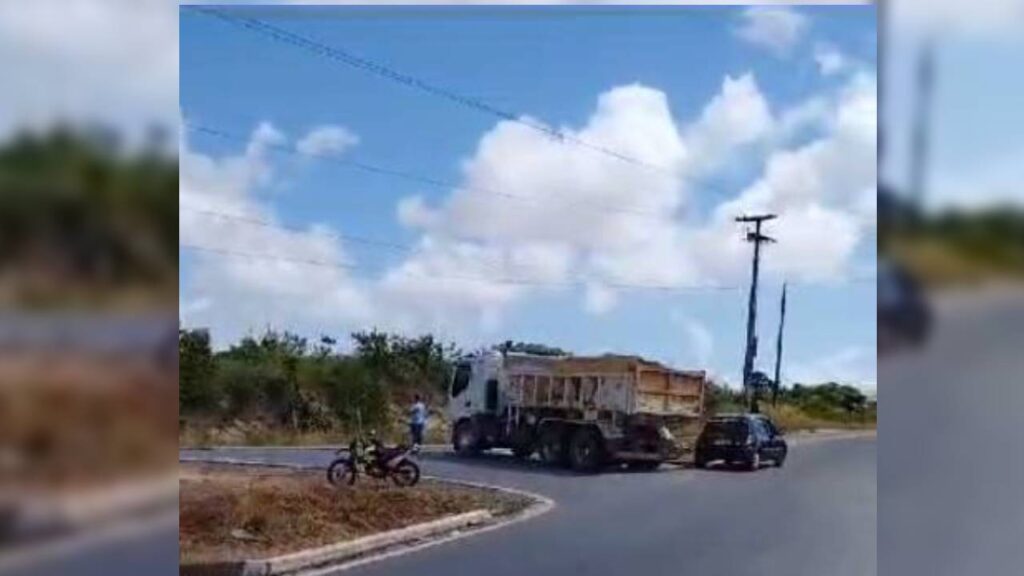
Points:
(755, 461)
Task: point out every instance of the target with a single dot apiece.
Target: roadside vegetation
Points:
(282, 389)
(230, 513)
(85, 222)
(804, 407)
(953, 247)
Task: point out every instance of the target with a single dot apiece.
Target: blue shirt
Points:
(419, 413)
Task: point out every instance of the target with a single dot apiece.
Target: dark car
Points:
(745, 439)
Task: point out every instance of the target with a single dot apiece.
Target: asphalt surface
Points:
(952, 459)
(817, 515)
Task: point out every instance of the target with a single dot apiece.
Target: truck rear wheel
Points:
(552, 446)
(586, 450)
(466, 439)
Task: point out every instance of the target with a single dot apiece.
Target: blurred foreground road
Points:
(815, 516)
(952, 459)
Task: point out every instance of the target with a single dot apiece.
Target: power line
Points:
(411, 249)
(495, 280)
(339, 55)
(297, 229)
(418, 178)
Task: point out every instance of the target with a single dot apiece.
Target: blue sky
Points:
(739, 111)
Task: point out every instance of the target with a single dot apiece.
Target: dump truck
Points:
(580, 412)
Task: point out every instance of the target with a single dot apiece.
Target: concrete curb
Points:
(343, 551)
(347, 555)
(26, 518)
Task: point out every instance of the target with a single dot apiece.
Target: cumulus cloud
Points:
(327, 140)
(739, 114)
(219, 205)
(853, 365)
(579, 222)
(113, 62)
(776, 28)
(598, 299)
(830, 59)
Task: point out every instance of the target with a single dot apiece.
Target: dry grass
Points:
(205, 434)
(791, 418)
(285, 511)
(72, 421)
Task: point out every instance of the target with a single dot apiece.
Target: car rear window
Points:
(726, 429)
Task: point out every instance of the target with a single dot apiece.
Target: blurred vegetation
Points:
(802, 406)
(953, 246)
(280, 388)
(85, 221)
(284, 382)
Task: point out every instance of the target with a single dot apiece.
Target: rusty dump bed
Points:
(627, 384)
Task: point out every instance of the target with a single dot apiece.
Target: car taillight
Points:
(750, 440)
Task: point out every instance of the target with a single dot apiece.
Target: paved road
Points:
(952, 458)
(815, 516)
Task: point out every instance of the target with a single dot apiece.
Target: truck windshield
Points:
(461, 381)
(726, 429)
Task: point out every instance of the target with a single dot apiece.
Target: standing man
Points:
(417, 421)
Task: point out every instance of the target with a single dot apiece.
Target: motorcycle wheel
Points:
(405, 474)
(341, 472)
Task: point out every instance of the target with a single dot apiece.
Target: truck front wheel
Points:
(586, 451)
(466, 439)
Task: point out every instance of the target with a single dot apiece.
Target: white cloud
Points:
(327, 140)
(737, 115)
(830, 59)
(853, 365)
(240, 293)
(701, 342)
(113, 62)
(991, 20)
(777, 28)
(598, 299)
(589, 221)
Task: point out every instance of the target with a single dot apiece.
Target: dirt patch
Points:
(78, 421)
(230, 513)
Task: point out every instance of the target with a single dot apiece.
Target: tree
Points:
(195, 372)
(533, 348)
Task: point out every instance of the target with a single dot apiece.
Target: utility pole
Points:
(778, 348)
(754, 236)
(925, 78)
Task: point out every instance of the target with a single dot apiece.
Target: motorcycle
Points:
(375, 460)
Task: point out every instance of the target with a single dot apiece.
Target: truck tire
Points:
(466, 439)
(586, 450)
(522, 451)
(552, 446)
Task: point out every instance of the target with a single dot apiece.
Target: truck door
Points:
(491, 401)
(460, 402)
